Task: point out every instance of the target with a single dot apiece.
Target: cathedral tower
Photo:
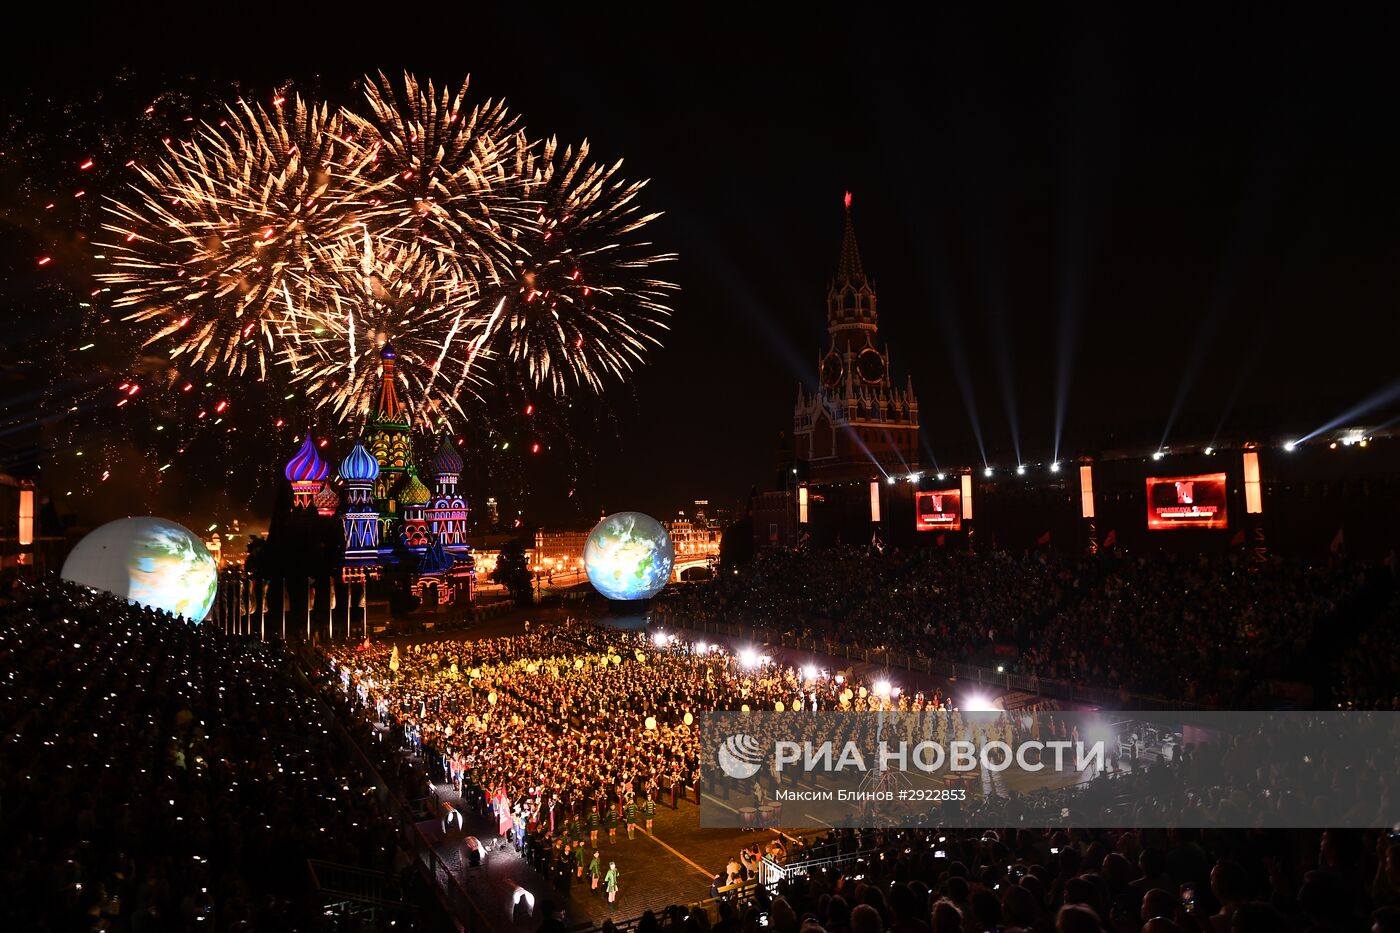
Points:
(857, 424)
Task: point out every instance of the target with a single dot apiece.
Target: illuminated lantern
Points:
(651, 723)
(863, 693)
(778, 706)
(491, 698)
(744, 708)
(689, 719)
(578, 664)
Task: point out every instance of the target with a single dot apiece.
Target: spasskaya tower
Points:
(857, 425)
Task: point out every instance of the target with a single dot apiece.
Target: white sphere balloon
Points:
(629, 555)
(149, 561)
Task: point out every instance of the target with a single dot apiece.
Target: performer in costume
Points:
(610, 882)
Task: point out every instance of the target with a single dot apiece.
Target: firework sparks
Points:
(439, 172)
(298, 236)
(230, 228)
(383, 291)
(581, 302)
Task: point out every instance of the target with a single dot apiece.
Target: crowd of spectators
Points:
(1077, 881)
(1211, 630)
(1368, 672)
(160, 776)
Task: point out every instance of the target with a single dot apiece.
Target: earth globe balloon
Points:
(149, 561)
(628, 555)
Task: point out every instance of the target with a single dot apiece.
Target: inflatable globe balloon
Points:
(628, 556)
(150, 561)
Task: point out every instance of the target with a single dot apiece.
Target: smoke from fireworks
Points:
(309, 238)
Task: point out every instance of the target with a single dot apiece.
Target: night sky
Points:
(1170, 229)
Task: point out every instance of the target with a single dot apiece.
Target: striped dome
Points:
(306, 466)
(412, 491)
(359, 466)
(447, 460)
(326, 501)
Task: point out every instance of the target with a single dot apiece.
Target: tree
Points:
(513, 572)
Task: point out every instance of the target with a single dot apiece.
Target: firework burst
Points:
(299, 240)
(439, 173)
(581, 302)
(229, 230)
(385, 290)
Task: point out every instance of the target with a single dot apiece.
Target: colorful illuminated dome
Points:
(359, 466)
(413, 492)
(306, 466)
(326, 501)
(447, 460)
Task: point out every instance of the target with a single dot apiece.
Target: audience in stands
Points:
(158, 775)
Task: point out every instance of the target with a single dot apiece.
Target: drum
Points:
(766, 813)
(748, 815)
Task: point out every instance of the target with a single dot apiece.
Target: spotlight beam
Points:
(1386, 396)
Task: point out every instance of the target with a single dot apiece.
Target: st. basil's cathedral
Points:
(395, 526)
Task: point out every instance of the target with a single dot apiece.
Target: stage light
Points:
(1361, 443)
(891, 480)
(1289, 445)
(1332, 446)
(1209, 451)
(1021, 469)
(1001, 668)
(1253, 490)
(659, 639)
(987, 471)
(977, 703)
(914, 477)
(882, 688)
(748, 657)
(701, 647)
(942, 476)
(1157, 455)
(810, 672)
(1055, 467)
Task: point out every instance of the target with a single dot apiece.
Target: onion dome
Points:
(306, 466)
(412, 491)
(447, 460)
(386, 352)
(326, 501)
(359, 466)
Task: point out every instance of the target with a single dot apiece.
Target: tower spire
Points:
(850, 270)
(390, 408)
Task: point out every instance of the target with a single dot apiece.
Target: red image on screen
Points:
(1186, 502)
(940, 510)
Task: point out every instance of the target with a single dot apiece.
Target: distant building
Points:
(850, 435)
(696, 541)
(558, 551)
(858, 424)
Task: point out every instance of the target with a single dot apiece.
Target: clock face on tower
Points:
(832, 369)
(870, 365)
